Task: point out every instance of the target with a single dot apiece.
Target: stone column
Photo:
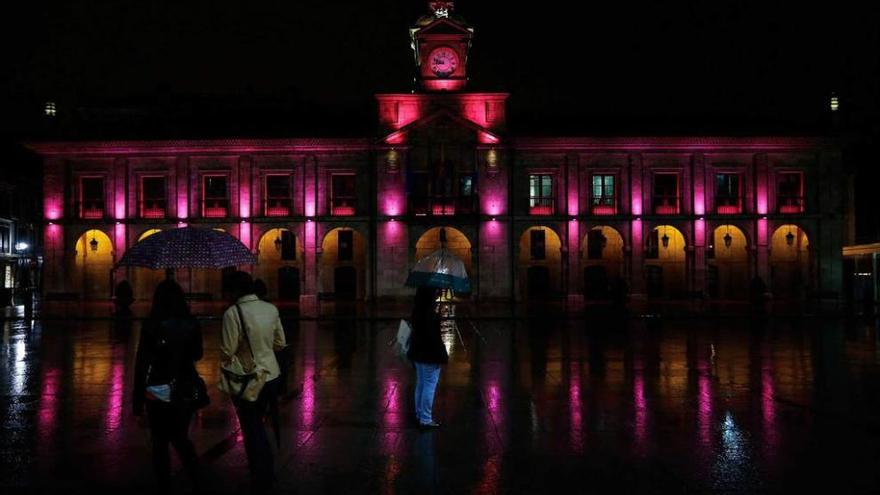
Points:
(637, 245)
(310, 238)
(762, 207)
(698, 182)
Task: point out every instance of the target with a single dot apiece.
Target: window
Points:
(602, 200)
(5, 240)
(728, 195)
(538, 244)
(91, 197)
(541, 195)
(215, 194)
(790, 192)
(345, 245)
(278, 198)
(153, 197)
(342, 195)
(666, 194)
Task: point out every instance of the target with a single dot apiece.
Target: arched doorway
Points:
(602, 262)
(94, 261)
(279, 264)
(665, 270)
(144, 280)
(789, 262)
(540, 264)
(728, 268)
(457, 243)
(343, 258)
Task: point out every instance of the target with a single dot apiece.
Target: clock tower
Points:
(440, 41)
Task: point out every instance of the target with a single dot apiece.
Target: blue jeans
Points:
(427, 376)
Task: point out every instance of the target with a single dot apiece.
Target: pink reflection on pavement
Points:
(641, 410)
(47, 417)
(575, 410)
(115, 394)
(704, 408)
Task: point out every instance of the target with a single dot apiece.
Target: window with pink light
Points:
(667, 196)
(278, 197)
(603, 198)
(215, 196)
(91, 198)
(728, 193)
(790, 192)
(343, 195)
(542, 200)
(153, 197)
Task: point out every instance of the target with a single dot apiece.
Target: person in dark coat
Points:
(170, 344)
(427, 353)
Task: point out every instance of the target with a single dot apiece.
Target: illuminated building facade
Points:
(532, 218)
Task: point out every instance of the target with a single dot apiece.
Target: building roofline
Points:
(671, 143)
(200, 146)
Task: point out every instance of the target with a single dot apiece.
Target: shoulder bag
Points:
(241, 377)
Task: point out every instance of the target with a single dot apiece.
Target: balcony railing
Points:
(791, 204)
(343, 207)
(277, 207)
(542, 206)
(91, 209)
(727, 205)
(666, 205)
(603, 206)
(215, 208)
(152, 209)
(422, 206)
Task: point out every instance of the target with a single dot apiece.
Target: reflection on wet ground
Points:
(529, 406)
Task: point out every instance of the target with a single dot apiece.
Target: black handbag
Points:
(191, 392)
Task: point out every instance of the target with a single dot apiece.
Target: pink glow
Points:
(700, 232)
(762, 200)
(443, 84)
(636, 205)
(575, 410)
(119, 213)
(244, 233)
(342, 211)
(641, 410)
(47, 417)
(666, 210)
(92, 213)
(729, 209)
(52, 208)
(215, 212)
(573, 202)
(636, 233)
(704, 407)
(494, 203)
(153, 212)
(308, 398)
(494, 231)
(181, 225)
(244, 203)
(441, 209)
(182, 203)
(311, 206)
(791, 209)
(392, 203)
(488, 138)
(396, 138)
(541, 210)
(604, 210)
(277, 211)
(699, 199)
(119, 239)
(762, 231)
(115, 395)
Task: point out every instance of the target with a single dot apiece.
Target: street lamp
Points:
(21, 246)
(789, 238)
(728, 240)
(94, 244)
(665, 240)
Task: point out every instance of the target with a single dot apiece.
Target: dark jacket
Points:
(426, 344)
(167, 350)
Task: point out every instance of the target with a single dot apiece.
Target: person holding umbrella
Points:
(427, 353)
(438, 271)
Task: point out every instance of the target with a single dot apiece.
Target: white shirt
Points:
(264, 331)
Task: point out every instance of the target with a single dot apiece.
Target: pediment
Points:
(438, 119)
(444, 26)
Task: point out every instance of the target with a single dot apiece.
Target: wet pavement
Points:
(596, 405)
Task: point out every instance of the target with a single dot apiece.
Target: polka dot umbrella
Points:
(188, 247)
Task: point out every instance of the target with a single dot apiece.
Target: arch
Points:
(540, 263)
(93, 263)
(342, 269)
(602, 261)
(727, 275)
(148, 233)
(279, 263)
(457, 243)
(665, 262)
(789, 262)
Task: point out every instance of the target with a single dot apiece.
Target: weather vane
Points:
(441, 9)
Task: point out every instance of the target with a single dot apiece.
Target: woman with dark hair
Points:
(170, 344)
(427, 353)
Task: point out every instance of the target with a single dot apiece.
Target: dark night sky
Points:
(603, 67)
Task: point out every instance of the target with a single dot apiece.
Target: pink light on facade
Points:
(244, 203)
(541, 210)
(392, 203)
(119, 239)
(182, 204)
(636, 233)
(181, 225)
(636, 205)
(487, 138)
(729, 209)
(762, 231)
(244, 233)
(398, 137)
(494, 231)
(52, 208)
(603, 210)
(762, 205)
(494, 204)
(700, 232)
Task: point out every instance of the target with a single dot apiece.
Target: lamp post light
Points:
(93, 244)
(728, 240)
(789, 238)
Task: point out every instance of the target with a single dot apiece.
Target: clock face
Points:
(443, 61)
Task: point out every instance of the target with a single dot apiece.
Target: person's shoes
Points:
(429, 426)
